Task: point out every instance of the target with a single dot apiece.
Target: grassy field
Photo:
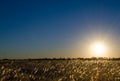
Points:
(59, 70)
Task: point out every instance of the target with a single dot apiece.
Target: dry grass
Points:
(59, 70)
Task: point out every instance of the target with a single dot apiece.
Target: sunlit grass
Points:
(59, 70)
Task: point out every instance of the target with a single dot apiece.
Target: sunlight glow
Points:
(98, 49)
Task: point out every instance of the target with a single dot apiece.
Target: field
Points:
(59, 70)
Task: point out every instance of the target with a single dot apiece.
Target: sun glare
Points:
(98, 49)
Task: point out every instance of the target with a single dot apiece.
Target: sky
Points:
(58, 28)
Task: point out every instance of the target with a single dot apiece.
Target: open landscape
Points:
(60, 69)
(59, 40)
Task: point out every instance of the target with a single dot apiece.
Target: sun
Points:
(98, 49)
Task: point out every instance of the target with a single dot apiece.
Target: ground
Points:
(59, 70)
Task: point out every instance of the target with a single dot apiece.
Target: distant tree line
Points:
(92, 58)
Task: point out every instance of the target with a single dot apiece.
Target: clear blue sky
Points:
(53, 28)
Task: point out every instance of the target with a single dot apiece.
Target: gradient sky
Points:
(57, 28)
